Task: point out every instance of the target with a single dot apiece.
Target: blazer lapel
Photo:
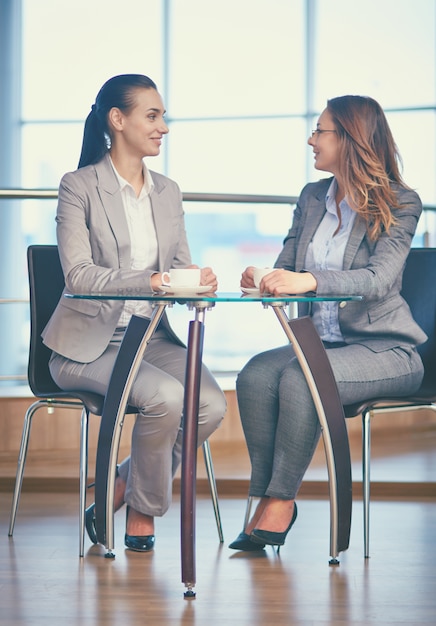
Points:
(109, 191)
(315, 211)
(160, 216)
(357, 235)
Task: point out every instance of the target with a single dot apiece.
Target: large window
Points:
(243, 82)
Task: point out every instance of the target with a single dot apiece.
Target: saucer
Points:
(252, 290)
(186, 290)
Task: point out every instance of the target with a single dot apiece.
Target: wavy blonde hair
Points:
(370, 160)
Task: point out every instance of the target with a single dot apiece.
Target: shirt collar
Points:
(330, 199)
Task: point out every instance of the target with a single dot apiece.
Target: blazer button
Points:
(342, 304)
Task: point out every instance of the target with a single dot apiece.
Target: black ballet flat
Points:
(138, 543)
(90, 523)
(272, 538)
(243, 542)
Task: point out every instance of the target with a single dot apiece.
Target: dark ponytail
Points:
(116, 92)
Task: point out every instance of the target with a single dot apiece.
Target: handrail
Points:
(44, 194)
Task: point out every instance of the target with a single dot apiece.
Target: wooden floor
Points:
(44, 582)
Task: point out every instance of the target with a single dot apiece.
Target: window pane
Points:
(380, 48)
(236, 58)
(244, 156)
(411, 131)
(71, 48)
(49, 150)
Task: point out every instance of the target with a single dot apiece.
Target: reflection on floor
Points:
(43, 582)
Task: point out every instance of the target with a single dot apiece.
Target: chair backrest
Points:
(419, 290)
(46, 282)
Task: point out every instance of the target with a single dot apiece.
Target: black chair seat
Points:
(423, 397)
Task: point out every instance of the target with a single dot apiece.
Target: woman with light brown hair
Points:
(350, 234)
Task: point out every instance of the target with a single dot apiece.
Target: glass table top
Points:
(183, 295)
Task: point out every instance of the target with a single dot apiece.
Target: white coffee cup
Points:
(259, 273)
(177, 277)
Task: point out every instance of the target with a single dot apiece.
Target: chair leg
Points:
(248, 511)
(22, 461)
(212, 486)
(83, 477)
(366, 459)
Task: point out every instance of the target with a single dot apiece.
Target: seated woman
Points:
(119, 227)
(350, 234)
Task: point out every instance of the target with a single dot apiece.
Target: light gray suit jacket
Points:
(373, 269)
(94, 247)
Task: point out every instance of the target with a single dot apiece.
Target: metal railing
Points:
(52, 194)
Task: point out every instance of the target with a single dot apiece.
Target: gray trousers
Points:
(157, 434)
(278, 416)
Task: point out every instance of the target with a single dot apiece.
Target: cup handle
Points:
(165, 276)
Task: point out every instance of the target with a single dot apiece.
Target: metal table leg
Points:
(136, 338)
(316, 367)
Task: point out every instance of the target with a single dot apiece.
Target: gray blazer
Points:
(373, 269)
(94, 247)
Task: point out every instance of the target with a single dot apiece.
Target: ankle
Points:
(276, 515)
(138, 524)
(120, 489)
(257, 515)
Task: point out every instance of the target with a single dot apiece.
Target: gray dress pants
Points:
(278, 416)
(157, 434)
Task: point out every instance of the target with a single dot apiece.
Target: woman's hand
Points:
(207, 277)
(156, 281)
(247, 277)
(284, 281)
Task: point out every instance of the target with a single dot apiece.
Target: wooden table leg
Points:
(189, 451)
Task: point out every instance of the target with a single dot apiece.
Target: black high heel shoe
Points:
(272, 538)
(138, 543)
(90, 516)
(243, 542)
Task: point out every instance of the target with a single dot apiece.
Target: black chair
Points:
(46, 283)
(419, 291)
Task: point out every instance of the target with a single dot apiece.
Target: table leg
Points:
(136, 338)
(189, 450)
(316, 367)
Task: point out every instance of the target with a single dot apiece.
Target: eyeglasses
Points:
(319, 131)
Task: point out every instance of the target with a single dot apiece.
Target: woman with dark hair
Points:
(350, 234)
(119, 226)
